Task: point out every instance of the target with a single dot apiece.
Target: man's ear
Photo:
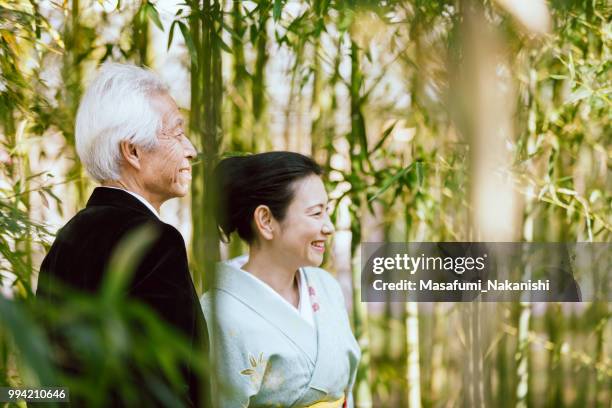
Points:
(130, 153)
(264, 222)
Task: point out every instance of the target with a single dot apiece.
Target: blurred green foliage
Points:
(370, 90)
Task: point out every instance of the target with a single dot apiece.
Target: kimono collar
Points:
(235, 282)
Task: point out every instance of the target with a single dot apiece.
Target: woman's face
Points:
(306, 226)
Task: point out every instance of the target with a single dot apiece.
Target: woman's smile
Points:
(318, 246)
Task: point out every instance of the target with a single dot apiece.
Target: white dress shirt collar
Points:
(139, 197)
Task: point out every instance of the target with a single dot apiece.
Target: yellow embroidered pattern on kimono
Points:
(328, 404)
(256, 371)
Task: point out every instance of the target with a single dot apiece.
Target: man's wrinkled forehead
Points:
(167, 108)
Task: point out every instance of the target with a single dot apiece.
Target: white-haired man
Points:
(130, 138)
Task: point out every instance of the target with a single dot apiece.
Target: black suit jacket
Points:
(83, 247)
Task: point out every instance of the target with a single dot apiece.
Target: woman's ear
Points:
(130, 153)
(264, 222)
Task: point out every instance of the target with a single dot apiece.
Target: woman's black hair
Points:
(246, 182)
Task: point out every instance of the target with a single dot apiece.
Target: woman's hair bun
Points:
(245, 182)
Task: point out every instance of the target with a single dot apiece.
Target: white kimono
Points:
(265, 354)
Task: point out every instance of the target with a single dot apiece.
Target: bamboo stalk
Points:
(195, 126)
(360, 312)
(72, 77)
(316, 110)
(258, 84)
(477, 356)
(522, 356)
(362, 392)
(411, 322)
(437, 372)
(413, 368)
(289, 106)
(504, 393)
(601, 357)
(205, 123)
(141, 35)
(237, 141)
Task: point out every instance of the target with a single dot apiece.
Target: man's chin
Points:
(181, 191)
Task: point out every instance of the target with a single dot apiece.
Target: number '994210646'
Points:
(50, 394)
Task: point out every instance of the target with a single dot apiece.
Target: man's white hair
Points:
(116, 107)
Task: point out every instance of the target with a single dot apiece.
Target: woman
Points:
(281, 336)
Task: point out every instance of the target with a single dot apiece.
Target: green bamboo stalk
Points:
(205, 124)
(363, 396)
(26, 239)
(600, 357)
(413, 350)
(316, 126)
(413, 367)
(437, 372)
(503, 374)
(140, 35)
(362, 392)
(195, 126)
(477, 356)
(258, 84)
(205, 22)
(330, 132)
(72, 73)
(289, 129)
(237, 142)
(555, 366)
(468, 366)
(389, 331)
(522, 355)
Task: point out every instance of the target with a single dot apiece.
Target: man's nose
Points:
(190, 151)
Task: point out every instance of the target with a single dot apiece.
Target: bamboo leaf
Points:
(154, 15)
(171, 35)
(277, 10)
(579, 94)
(384, 137)
(223, 45)
(124, 260)
(390, 181)
(419, 173)
(189, 43)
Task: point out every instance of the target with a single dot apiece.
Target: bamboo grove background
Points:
(460, 120)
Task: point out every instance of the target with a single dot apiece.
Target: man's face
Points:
(166, 169)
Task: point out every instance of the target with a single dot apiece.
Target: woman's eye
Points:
(317, 213)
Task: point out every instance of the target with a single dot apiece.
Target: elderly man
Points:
(130, 138)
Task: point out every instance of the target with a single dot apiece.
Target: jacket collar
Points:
(113, 197)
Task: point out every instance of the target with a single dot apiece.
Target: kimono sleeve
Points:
(336, 293)
(232, 385)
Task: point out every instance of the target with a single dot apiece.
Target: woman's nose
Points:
(328, 226)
